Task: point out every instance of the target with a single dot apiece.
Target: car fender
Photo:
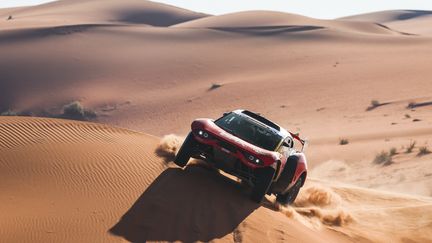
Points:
(293, 168)
(301, 167)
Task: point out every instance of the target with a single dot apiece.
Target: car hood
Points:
(210, 126)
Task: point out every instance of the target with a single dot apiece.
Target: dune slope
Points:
(151, 67)
(272, 19)
(389, 16)
(70, 12)
(146, 75)
(410, 21)
(65, 181)
(249, 19)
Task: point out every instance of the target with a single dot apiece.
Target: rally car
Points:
(252, 148)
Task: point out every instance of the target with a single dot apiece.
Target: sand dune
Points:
(71, 12)
(150, 67)
(5, 12)
(65, 181)
(249, 19)
(409, 21)
(389, 16)
(69, 63)
(384, 217)
(419, 26)
(261, 19)
(354, 211)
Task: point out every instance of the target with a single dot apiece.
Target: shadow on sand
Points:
(155, 18)
(195, 204)
(268, 30)
(410, 14)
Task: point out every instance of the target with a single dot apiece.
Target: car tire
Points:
(264, 179)
(289, 196)
(183, 155)
(286, 176)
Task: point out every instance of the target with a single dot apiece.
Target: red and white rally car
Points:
(252, 148)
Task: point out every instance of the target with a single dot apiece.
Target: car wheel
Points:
(289, 197)
(286, 176)
(264, 179)
(184, 153)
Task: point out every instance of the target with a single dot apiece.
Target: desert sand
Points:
(147, 70)
(414, 22)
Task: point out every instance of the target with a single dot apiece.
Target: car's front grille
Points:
(228, 146)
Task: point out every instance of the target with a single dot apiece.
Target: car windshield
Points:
(250, 130)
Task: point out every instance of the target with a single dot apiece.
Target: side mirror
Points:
(226, 113)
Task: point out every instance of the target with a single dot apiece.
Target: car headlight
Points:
(203, 134)
(251, 158)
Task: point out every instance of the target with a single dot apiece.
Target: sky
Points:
(323, 9)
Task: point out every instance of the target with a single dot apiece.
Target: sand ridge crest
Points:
(68, 12)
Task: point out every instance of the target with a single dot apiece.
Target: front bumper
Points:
(224, 157)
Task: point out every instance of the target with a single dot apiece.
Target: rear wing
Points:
(303, 142)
